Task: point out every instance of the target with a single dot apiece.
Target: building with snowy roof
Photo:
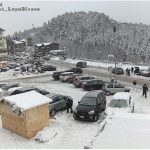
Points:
(25, 114)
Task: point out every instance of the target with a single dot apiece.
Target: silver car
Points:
(113, 87)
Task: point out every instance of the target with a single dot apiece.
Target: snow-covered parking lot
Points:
(65, 132)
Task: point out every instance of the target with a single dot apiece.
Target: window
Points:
(60, 97)
(110, 86)
(55, 99)
(118, 86)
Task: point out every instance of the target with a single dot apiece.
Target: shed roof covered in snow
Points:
(27, 100)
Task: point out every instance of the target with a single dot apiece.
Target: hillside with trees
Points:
(91, 35)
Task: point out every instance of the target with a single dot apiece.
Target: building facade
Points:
(3, 42)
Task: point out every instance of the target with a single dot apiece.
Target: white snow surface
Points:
(125, 131)
(120, 131)
(27, 100)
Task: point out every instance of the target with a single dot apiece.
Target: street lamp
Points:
(114, 30)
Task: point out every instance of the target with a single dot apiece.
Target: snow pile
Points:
(45, 135)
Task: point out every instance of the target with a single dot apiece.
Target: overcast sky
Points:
(124, 11)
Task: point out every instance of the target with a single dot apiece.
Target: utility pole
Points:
(114, 29)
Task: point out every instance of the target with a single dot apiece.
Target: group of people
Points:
(128, 71)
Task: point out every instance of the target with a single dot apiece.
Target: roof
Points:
(17, 42)
(93, 93)
(57, 51)
(45, 44)
(23, 40)
(121, 95)
(27, 100)
(66, 73)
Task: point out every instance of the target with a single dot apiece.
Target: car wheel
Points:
(74, 116)
(95, 118)
(127, 91)
(104, 108)
(133, 109)
(53, 113)
(91, 89)
(107, 93)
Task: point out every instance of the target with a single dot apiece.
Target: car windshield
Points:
(88, 101)
(119, 103)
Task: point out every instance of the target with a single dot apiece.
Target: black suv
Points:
(90, 106)
(95, 84)
(76, 70)
(118, 70)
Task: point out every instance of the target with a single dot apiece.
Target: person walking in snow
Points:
(145, 89)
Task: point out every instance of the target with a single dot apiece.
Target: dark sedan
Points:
(94, 84)
(118, 70)
(48, 68)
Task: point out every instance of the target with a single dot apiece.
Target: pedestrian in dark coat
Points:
(132, 69)
(69, 103)
(145, 89)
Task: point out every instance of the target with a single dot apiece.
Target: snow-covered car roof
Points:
(27, 100)
(121, 95)
(67, 73)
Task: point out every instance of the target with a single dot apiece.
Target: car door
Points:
(99, 84)
(110, 88)
(118, 88)
(131, 104)
(62, 102)
(99, 103)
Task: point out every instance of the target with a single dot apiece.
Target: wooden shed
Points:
(25, 114)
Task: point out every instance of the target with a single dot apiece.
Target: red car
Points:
(146, 73)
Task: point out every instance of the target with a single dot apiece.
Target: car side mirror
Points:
(78, 102)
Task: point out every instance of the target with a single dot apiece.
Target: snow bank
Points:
(46, 135)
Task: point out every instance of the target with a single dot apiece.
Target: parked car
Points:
(23, 68)
(90, 106)
(27, 89)
(48, 68)
(95, 84)
(137, 70)
(112, 88)
(64, 77)
(58, 103)
(118, 70)
(10, 90)
(79, 80)
(56, 75)
(8, 86)
(146, 73)
(70, 80)
(4, 69)
(121, 102)
(10, 66)
(81, 64)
